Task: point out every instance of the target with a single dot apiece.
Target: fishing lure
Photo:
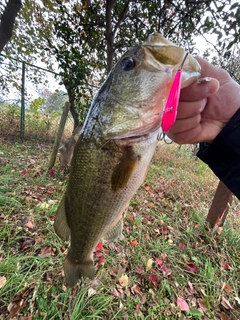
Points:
(170, 109)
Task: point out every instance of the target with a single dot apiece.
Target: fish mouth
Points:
(143, 134)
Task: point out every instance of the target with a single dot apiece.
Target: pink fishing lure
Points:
(171, 107)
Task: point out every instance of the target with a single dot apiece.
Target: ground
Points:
(167, 265)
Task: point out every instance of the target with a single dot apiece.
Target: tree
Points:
(87, 37)
(7, 21)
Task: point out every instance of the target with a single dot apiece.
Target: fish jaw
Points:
(136, 97)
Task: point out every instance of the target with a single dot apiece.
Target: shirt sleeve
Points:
(223, 154)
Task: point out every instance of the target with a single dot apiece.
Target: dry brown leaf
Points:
(149, 264)
(226, 304)
(123, 280)
(227, 288)
(2, 281)
(20, 301)
(224, 316)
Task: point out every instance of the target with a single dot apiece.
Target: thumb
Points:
(200, 89)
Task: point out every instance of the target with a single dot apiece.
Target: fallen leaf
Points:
(149, 264)
(165, 230)
(115, 292)
(139, 269)
(227, 288)
(224, 316)
(133, 242)
(150, 204)
(154, 279)
(182, 246)
(91, 292)
(20, 301)
(30, 225)
(47, 252)
(182, 304)
(190, 267)
(2, 281)
(226, 304)
(123, 280)
(101, 260)
(225, 265)
(159, 263)
(51, 171)
(99, 246)
(164, 255)
(24, 172)
(166, 270)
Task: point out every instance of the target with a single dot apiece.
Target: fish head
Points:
(137, 88)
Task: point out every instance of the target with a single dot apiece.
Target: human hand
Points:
(205, 107)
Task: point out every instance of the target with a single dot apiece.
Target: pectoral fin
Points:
(115, 232)
(124, 169)
(61, 226)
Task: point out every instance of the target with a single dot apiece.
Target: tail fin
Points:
(74, 270)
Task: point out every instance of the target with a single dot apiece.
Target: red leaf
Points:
(29, 225)
(159, 263)
(228, 288)
(99, 246)
(182, 246)
(225, 265)
(101, 260)
(24, 172)
(165, 230)
(51, 171)
(50, 190)
(190, 267)
(154, 279)
(182, 304)
(164, 255)
(166, 270)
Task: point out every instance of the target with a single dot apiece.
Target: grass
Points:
(167, 251)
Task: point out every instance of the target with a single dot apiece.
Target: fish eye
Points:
(128, 64)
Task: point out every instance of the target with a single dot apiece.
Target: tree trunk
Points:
(7, 21)
(72, 107)
(59, 135)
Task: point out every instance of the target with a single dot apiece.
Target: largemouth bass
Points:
(116, 145)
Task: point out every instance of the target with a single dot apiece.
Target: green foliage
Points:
(36, 105)
(55, 101)
(86, 38)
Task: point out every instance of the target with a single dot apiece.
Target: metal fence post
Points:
(22, 124)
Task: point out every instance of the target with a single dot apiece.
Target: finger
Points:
(185, 137)
(186, 124)
(190, 109)
(199, 90)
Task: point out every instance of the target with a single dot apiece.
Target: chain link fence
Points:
(31, 101)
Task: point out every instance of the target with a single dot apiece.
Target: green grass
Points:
(166, 219)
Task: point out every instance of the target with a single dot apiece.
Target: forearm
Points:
(223, 154)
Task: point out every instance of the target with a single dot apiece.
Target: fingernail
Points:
(205, 79)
